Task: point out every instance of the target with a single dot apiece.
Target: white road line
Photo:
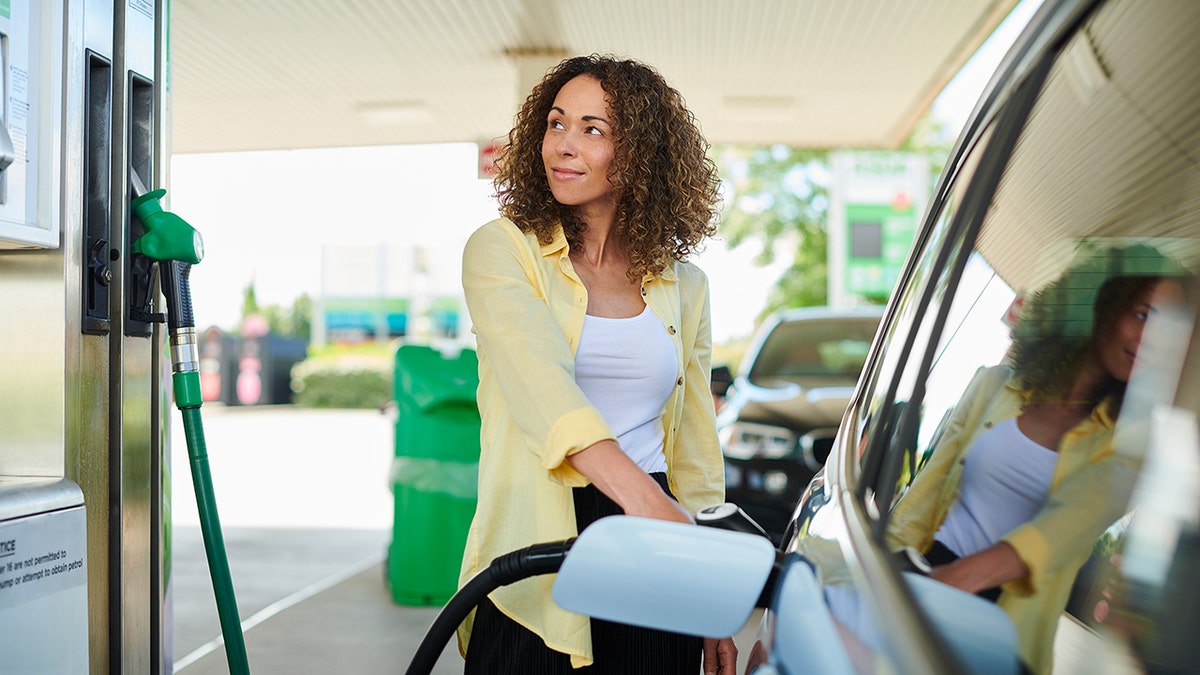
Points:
(280, 605)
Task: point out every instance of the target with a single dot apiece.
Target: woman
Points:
(1024, 478)
(594, 352)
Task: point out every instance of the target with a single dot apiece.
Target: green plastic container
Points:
(434, 472)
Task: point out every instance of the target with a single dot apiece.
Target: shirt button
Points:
(679, 382)
(671, 330)
(987, 425)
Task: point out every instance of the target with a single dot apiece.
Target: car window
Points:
(830, 348)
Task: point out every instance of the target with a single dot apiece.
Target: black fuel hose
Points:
(530, 561)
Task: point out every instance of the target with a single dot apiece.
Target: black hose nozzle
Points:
(177, 288)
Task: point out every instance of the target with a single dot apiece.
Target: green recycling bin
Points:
(434, 472)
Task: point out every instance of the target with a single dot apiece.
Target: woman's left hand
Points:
(720, 656)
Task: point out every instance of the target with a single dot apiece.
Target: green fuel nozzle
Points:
(167, 237)
(170, 240)
(176, 246)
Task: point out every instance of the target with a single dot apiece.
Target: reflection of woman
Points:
(1022, 480)
(594, 346)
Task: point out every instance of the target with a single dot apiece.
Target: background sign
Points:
(876, 202)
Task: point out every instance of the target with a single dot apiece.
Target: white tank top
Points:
(1004, 485)
(627, 369)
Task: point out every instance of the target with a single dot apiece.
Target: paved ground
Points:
(306, 511)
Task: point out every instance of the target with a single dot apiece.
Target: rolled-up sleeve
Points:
(525, 350)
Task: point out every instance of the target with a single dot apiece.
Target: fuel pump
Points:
(176, 246)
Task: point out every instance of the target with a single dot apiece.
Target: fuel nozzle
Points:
(167, 237)
(729, 516)
(176, 245)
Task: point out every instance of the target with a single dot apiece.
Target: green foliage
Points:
(294, 321)
(780, 200)
(356, 378)
(935, 140)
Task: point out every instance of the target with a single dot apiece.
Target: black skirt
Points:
(501, 646)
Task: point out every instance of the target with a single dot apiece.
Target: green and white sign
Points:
(879, 236)
(876, 202)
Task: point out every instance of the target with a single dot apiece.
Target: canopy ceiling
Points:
(274, 74)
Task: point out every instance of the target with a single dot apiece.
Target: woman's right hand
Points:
(615, 475)
(991, 567)
(663, 508)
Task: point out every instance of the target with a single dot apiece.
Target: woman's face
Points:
(577, 148)
(1117, 347)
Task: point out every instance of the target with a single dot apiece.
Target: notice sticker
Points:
(42, 555)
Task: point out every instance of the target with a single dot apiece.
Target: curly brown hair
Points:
(667, 185)
(1059, 324)
(1048, 363)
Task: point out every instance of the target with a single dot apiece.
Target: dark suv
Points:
(781, 413)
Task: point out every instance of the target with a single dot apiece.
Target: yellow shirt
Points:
(1085, 498)
(527, 307)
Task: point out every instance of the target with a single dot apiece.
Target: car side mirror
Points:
(720, 380)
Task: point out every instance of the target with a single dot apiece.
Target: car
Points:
(781, 412)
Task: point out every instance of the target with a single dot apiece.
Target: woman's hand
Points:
(991, 567)
(615, 475)
(720, 656)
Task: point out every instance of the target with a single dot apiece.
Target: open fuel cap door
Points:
(670, 576)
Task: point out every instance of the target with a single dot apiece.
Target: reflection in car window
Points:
(1022, 476)
(977, 335)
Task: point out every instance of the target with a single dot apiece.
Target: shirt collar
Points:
(1100, 414)
(557, 244)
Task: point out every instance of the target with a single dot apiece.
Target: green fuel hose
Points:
(176, 246)
(210, 528)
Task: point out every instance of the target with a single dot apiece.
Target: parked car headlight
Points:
(746, 440)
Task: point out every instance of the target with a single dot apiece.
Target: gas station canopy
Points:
(275, 74)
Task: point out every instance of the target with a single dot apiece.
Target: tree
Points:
(935, 140)
(780, 198)
(249, 300)
(299, 320)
